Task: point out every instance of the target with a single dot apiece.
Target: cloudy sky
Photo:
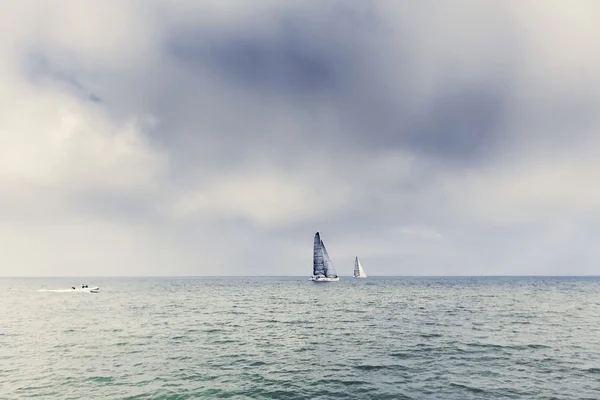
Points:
(209, 137)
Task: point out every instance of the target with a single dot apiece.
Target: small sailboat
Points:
(323, 270)
(359, 272)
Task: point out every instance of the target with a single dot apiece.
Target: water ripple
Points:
(284, 338)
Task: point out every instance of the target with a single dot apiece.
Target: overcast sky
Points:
(190, 137)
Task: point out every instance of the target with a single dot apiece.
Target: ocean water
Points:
(288, 338)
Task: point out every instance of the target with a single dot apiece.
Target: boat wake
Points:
(76, 290)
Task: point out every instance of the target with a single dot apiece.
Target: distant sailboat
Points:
(323, 270)
(359, 272)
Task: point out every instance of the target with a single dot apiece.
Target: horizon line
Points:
(300, 276)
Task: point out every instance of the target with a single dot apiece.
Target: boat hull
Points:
(323, 279)
(87, 290)
(359, 277)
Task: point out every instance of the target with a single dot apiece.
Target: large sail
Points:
(318, 264)
(359, 272)
(329, 270)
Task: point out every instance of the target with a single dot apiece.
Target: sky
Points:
(197, 137)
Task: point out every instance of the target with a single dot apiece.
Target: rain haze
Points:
(216, 137)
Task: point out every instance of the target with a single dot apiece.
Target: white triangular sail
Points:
(329, 270)
(323, 270)
(359, 272)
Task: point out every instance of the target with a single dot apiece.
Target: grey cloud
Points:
(360, 120)
(320, 62)
(40, 70)
(261, 65)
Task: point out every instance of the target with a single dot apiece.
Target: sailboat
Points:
(359, 272)
(323, 270)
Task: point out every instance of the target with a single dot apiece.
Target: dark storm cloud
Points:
(303, 50)
(321, 63)
(263, 66)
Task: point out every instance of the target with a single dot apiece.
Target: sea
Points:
(289, 338)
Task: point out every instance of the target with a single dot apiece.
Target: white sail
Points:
(359, 272)
(323, 270)
(329, 270)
